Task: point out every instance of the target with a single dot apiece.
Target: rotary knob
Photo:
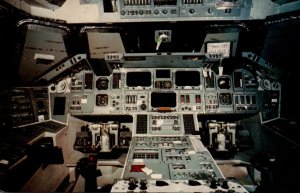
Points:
(143, 184)
(143, 107)
(213, 184)
(225, 184)
(132, 184)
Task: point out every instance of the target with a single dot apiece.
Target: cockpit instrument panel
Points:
(98, 11)
(181, 8)
(125, 11)
(136, 90)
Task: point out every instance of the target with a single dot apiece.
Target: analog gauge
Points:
(102, 83)
(225, 98)
(224, 82)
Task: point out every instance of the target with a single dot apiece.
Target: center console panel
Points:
(171, 158)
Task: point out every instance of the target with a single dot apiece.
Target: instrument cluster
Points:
(136, 90)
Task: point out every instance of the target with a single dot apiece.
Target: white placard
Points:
(218, 48)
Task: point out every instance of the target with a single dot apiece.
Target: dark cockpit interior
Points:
(137, 96)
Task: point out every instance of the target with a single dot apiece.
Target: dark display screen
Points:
(138, 79)
(163, 99)
(59, 106)
(163, 74)
(187, 78)
(164, 2)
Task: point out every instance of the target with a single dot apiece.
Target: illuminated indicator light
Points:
(164, 109)
(198, 99)
(91, 158)
(181, 98)
(137, 168)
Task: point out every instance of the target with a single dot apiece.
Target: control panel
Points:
(151, 105)
(180, 8)
(145, 10)
(28, 105)
(189, 186)
(163, 101)
(170, 158)
(172, 164)
(138, 90)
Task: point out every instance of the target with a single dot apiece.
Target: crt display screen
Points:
(59, 106)
(187, 78)
(167, 99)
(163, 74)
(138, 79)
